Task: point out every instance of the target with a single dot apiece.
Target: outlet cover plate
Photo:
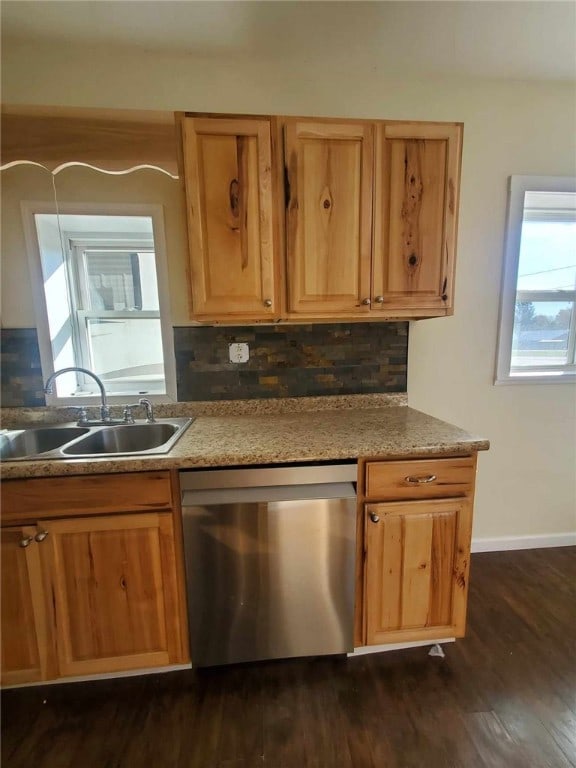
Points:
(238, 353)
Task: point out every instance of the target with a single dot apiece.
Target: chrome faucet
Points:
(149, 409)
(104, 409)
(144, 403)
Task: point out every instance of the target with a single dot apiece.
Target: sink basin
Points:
(73, 442)
(129, 438)
(31, 442)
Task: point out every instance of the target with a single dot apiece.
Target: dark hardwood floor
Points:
(505, 696)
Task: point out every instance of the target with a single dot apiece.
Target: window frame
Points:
(155, 212)
(518, 186)
(76, 251)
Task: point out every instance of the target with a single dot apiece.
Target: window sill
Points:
(94, 401)
(536, 378)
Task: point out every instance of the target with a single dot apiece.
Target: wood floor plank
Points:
(503, 697)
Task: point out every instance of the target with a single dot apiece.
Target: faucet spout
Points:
(104, 410)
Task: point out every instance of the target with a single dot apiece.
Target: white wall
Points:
(527, 482)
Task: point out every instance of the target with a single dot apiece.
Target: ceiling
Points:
(522, 39)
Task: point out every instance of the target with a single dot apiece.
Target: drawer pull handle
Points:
(41, 535)
(413, 480)
(25, 542)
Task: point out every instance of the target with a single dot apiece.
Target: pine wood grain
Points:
(329, 216)
(228, 174)
(417, 565)
(33, 498)
(389, 480)
(415, 216)
(98, 594)
(115, 591)
(24, 621)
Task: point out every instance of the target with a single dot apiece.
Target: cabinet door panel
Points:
(415, 573)
(229, 195)
(417, 560)
(24, 634)
(417, 177)
(115, 590)
(329, 216)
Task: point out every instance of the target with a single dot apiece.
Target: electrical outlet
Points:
(238, 353)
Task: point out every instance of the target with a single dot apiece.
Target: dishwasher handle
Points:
(268, 494)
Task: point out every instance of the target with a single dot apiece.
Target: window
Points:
(102, 303)
(537, 338)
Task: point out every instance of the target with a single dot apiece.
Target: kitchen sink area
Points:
(69, 441)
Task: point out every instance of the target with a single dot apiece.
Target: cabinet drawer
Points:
(31, 499)
(420, 478)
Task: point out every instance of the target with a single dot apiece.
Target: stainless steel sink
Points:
(70, 441)
(129, 438)
(16, 444)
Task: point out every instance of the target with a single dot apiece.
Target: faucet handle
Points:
(127, 416)
(82, 414)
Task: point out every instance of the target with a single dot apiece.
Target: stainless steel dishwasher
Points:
(270, 559)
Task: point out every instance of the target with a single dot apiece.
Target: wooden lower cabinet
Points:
(115, 592)
(416, 569)
(414, 527)
(24, 619)
(86, 595)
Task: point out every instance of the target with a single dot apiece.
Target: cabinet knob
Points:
(366, 302)
(267, 302)
(25, 542)
(374, 517)
(379, 299)
(41, 535)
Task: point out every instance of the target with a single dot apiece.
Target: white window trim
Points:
(518, 185)
(156, 213)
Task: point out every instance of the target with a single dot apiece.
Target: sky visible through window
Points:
(542, 324)
(547, 257)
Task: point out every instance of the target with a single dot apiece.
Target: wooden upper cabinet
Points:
(415, 217)
(228, 174)
(329, 170)
(364, 226)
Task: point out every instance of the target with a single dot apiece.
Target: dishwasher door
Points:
(270, 571)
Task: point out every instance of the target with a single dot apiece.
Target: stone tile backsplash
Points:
(285, 361)
(291, 360)
(20, 368)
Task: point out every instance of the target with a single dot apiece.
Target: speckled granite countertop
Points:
(285, 437)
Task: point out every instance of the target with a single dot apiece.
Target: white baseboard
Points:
(365, 649)
(539, 541)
